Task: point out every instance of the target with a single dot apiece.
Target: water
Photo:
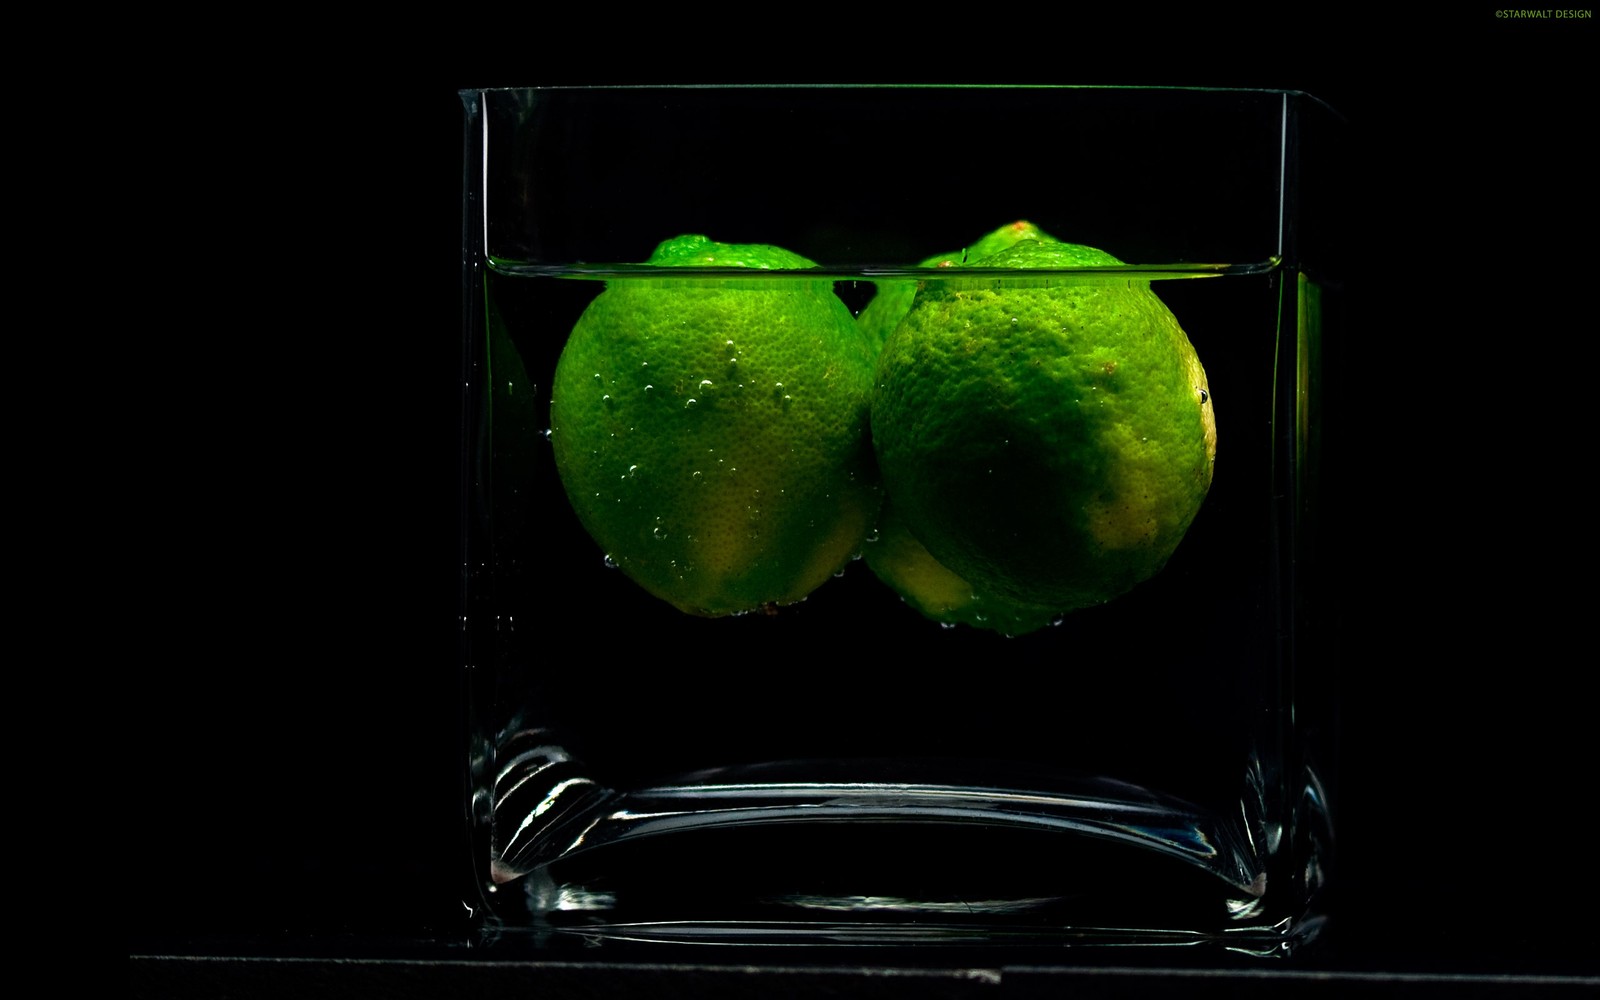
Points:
(848, 770)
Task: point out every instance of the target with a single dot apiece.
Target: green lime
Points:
(1049, 440)
(711, 433)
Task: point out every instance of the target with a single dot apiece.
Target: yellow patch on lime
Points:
(906, 565)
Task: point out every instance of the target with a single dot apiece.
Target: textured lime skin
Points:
(895, 295)
(1048, 440)
(712, 434)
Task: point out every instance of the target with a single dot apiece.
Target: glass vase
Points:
(1140, 766)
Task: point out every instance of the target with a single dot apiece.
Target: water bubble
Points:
(659, 533)
(947, 624)
(546, 433)
(597, 378)
(730, 343)
(705, 383)
(610, 562)
(689, 403)
(648, 388)
(632, 469)
(606, 398)
(839, 575)
(1204, 396)
(1013, 319)
(697, 477)
(872, 536)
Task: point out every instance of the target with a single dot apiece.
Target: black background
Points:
(308, 680)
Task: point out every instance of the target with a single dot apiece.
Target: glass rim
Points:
(907, 86)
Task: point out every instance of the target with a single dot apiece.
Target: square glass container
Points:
(1145, 769)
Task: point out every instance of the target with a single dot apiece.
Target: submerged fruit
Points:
(1048, 440)
(711, 433)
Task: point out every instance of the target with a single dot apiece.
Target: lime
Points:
(711, 433)
(1049, 440)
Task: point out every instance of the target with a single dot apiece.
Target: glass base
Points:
(786, 854)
